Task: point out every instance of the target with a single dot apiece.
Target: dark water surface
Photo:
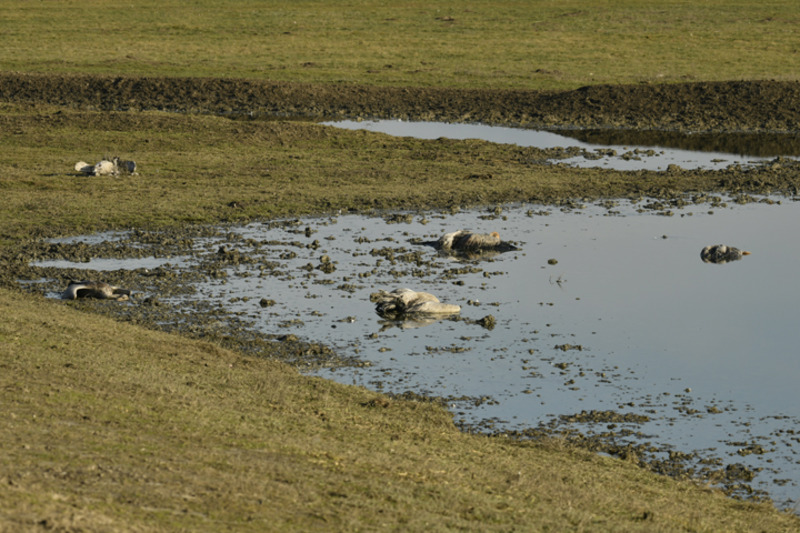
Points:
(627, 318)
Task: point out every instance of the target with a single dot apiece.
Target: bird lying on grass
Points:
(106, 167)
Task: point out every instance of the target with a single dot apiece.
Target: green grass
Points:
(484, 43)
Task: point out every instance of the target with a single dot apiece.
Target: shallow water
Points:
(633, 151)
(627, 318)
(103, 264)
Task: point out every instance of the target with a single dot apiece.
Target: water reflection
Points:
(616, 149)
(601, 308)
(410, 322)
(764, 145)
(105, 264)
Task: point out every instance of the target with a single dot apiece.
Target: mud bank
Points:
(752, 106)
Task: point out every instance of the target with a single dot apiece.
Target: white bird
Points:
(402, 302)
(720, 254)
(94, 289)
(106, 167)
(84, 167)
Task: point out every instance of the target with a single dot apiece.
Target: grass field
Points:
(484, 43)
(108, 426)
(279, 169)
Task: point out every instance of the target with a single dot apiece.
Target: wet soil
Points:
(156, 293)
(740, 106)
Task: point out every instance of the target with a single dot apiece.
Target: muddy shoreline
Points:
(157, 304)
(736, 106)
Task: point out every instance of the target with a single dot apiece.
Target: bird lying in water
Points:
(467, 241)
(402, 302)
(106, 167)
(94, 289)
(719, 253)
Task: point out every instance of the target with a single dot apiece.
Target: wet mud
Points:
(760, 144)
(741, 106)
(155, 299)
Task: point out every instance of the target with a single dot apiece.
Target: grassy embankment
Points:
(107, 426)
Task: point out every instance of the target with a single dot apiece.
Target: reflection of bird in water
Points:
(412, 322)
(467, 241)
(404, 302)
(719, 253)
(94, 289)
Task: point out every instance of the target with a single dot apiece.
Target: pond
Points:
(605, 319)
(614, 149)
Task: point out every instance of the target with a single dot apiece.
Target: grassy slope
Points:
(106, 426)
(109, 427)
